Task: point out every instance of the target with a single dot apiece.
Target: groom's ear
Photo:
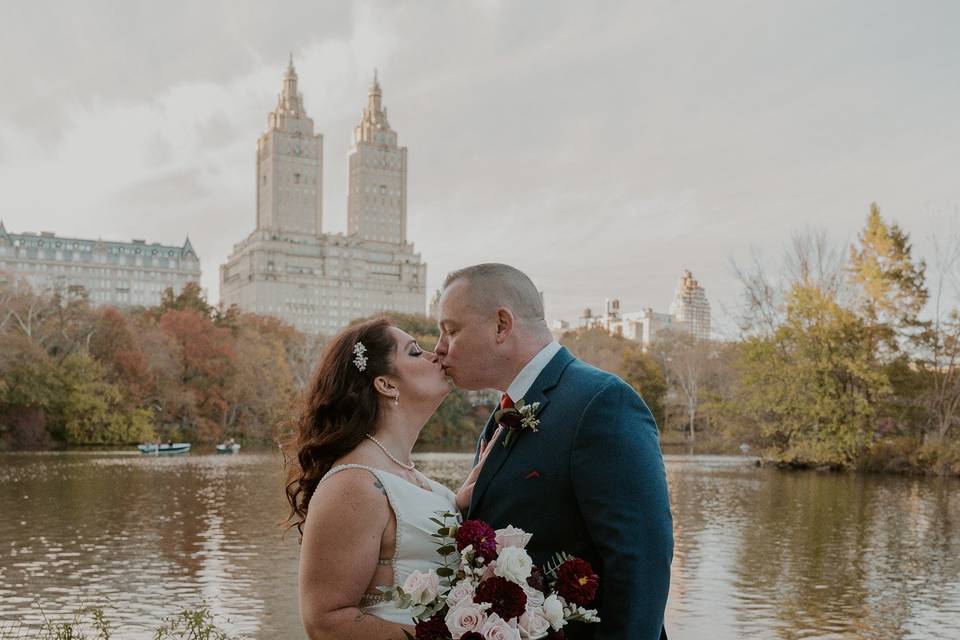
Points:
(505, 324)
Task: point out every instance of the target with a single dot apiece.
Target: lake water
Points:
(759, 553)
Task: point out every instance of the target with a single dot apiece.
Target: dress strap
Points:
(341, 467)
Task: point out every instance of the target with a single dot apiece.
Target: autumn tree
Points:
(811, 387)
(204, 357)
(263, 387)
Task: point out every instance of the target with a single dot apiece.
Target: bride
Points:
(362, 508)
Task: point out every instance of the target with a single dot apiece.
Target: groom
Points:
(590, 481)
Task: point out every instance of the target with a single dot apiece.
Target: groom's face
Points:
(467, 344)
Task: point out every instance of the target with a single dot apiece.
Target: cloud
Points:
(602, 150)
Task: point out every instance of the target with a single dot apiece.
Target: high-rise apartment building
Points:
(690, 305)
(288, 267)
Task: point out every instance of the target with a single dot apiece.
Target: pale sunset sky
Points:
(600, 146)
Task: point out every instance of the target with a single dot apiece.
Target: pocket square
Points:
(533, 474)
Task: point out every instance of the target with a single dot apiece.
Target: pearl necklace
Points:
(409, 467)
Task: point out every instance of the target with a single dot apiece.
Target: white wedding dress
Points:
(416, 549)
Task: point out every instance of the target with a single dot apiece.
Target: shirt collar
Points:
(528, 375)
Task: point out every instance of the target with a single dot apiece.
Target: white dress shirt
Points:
(528, 375)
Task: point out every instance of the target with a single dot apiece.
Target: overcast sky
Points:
(602, 147)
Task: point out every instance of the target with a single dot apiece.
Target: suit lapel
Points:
(547, 380)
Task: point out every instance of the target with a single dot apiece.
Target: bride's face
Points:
(419, 374)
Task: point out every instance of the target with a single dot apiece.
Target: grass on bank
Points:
(90, 623)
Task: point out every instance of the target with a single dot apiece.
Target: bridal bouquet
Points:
(488, 589)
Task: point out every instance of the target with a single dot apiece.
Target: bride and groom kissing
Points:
(587, 479)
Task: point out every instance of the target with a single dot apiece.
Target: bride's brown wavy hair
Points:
(340, 408)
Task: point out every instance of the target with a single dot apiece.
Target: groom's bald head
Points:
(491, 325)
(490, 286)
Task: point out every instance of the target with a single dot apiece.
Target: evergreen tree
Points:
(891, 285)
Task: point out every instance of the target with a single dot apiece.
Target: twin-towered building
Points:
(288, 267)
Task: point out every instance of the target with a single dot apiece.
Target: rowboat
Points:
(168, 449)
(228, 448)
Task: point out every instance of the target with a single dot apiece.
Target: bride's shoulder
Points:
(349, 483)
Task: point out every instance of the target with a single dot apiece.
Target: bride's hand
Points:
(465, 494)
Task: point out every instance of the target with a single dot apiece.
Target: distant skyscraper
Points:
(690, 305)
(290, 167)
(288, 267)
(689, 313)
(121, 274)
(377, 196)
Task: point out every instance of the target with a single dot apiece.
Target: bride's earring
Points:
(396, 400)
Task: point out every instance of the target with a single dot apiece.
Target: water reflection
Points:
(762, 553)
(759, 553)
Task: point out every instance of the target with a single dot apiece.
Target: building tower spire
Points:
(290, 165)
(290, 100)
(377, 200)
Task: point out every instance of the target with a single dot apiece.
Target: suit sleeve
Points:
(620, 485)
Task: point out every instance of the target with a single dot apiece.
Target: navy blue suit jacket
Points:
(590, 482)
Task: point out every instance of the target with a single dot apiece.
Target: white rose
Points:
(463, 590)
(553, 612)
(467, 616)
(422, 587)
(532, 624)
(496, 628)
(514, 564)
(534, 596)
(512, 537)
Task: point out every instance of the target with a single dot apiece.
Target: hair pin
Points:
(360, 360)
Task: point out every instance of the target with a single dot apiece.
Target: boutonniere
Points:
(516, 418)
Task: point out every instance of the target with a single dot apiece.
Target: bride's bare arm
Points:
(465, 493)
(341, 544)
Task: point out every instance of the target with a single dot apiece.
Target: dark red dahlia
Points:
(536, 580)
(481, 536)
(507, 599)
(433, 629)
(472, 635)
(577, 582)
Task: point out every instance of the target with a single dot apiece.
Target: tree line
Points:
(72, 374)
(845, 358)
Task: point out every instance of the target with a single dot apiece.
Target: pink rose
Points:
(422, 587)
(467, 616)
(496, 628)
(535, 597)
(512, 537)
(488, 572)
(533, 625)
(463, 590)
